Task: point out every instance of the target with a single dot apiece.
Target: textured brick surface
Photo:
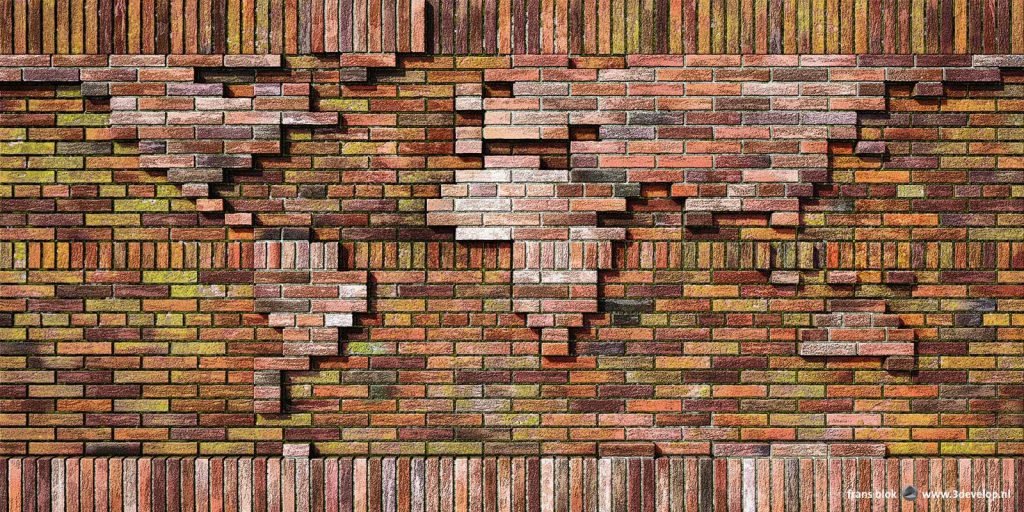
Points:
(519, 255)
(503, 27)
(459, 484)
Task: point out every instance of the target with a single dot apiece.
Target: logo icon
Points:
(910, 493)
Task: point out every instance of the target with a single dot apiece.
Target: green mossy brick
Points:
(910, 191)
(141, 377)
(91, 148)
(796, 391)
(200, 290)
(996, 434)
(16, 251)
(355, 376)
(27, 148)
(482, 405)
(112, 305)
(342, 448)
(299, 135)
(997, 234)
(329, 377)
(226, 448)
(512, 420)
(255, 434)
(19, 177)
(625, 363)
(142, 319)
(910, 449)
(13, 334)
(169, 276)
(393, 448)
(176, 334)
(141, 405)
(796, 320)
(781, 376)
(182, 205)
(454, 448)
(653, 377)
(56, 162)
(113, 190)
(112, 219)
(13, 134)
(125, 148)
(344, 105)
(285, 421)
(26, 319)
(367, 148)
(425, 176)
(719, 348)
(299, 392)
(12, 162)
(511, 363)
(170, 448)
(69, 91)
(796, 420)
(740, 305)
(412, 205)
(52, 277)
(198, 348)
(27, 434)
(56, 320)
(967, 449)
(95, 120)
(141, 205)
(369, 348)
(513, 391)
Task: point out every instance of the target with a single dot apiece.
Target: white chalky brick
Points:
(123, 103)
(568, 276)
(827, 349)
(526, 305)
(469, 146)
(587, 233)
(741, 190)
(338, 320)
(474, 233)
(785, 277)
(526, 277)
(540, 175)
(512, 161)
(482, 175)
(713, 204)
(352, 291)
(469, 103)
(483, 205)
(134, 117)
(469, 132)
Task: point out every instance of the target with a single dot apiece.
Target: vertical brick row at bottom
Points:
(502, 484)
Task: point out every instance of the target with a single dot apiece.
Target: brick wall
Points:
(529, 255)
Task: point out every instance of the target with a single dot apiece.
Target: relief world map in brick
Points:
(503, 255)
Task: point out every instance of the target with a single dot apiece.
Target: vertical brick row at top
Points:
(504, 27)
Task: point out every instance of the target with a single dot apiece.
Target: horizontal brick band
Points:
(440, 484)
